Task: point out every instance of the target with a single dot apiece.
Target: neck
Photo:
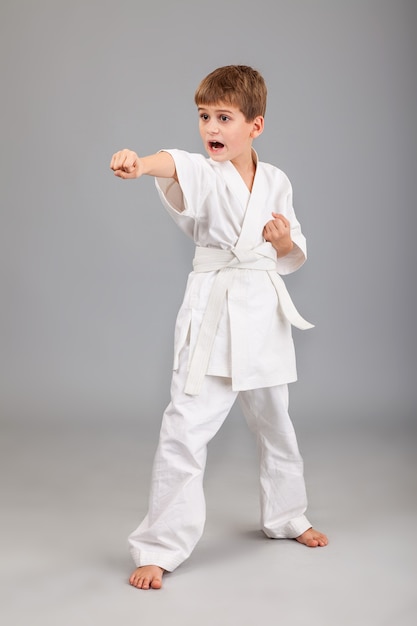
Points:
(246, 166)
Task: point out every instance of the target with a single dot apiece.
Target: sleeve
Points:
(184, 198)
(186, 195)
(298, 255)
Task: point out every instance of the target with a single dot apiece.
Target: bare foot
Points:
(147, 577)
(312, 538)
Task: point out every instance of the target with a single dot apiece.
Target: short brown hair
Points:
(238, 85)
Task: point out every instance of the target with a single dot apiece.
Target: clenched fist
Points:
(126, 164)
(278, 232)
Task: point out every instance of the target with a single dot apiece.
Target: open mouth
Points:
(216, 145)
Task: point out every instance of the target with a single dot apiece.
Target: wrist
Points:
(283, 250)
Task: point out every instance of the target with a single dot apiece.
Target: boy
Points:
(233, 331)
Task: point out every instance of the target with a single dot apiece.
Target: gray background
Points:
(93, 271)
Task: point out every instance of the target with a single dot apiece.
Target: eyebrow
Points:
(217, 110)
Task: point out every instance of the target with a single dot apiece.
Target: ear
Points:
(257, 126)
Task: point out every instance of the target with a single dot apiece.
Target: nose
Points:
(213, 127)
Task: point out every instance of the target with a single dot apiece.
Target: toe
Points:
(147, 577)
(312, 538)
(320, 540)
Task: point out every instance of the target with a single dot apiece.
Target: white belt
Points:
(227, 263)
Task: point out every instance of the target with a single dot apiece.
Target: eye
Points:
(204, 116)
(224, 118)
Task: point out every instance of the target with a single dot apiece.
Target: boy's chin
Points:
(217, 156)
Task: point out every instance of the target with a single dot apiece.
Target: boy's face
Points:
(225, 132)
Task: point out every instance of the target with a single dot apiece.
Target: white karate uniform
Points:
(232, 338)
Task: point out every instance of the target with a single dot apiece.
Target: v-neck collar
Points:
(235, 181)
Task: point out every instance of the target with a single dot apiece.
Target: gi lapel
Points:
(250, 234)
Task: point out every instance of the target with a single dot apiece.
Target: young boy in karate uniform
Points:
(233, 331)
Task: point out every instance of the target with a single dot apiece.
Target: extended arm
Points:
(127, 164)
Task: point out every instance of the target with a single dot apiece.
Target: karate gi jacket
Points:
(252, 340)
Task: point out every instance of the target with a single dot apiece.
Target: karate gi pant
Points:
(177, 511)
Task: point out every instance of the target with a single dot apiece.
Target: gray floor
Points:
(73, 491)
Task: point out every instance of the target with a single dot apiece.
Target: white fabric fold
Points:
(227, 263)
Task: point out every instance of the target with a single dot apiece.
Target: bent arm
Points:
(127, 164)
